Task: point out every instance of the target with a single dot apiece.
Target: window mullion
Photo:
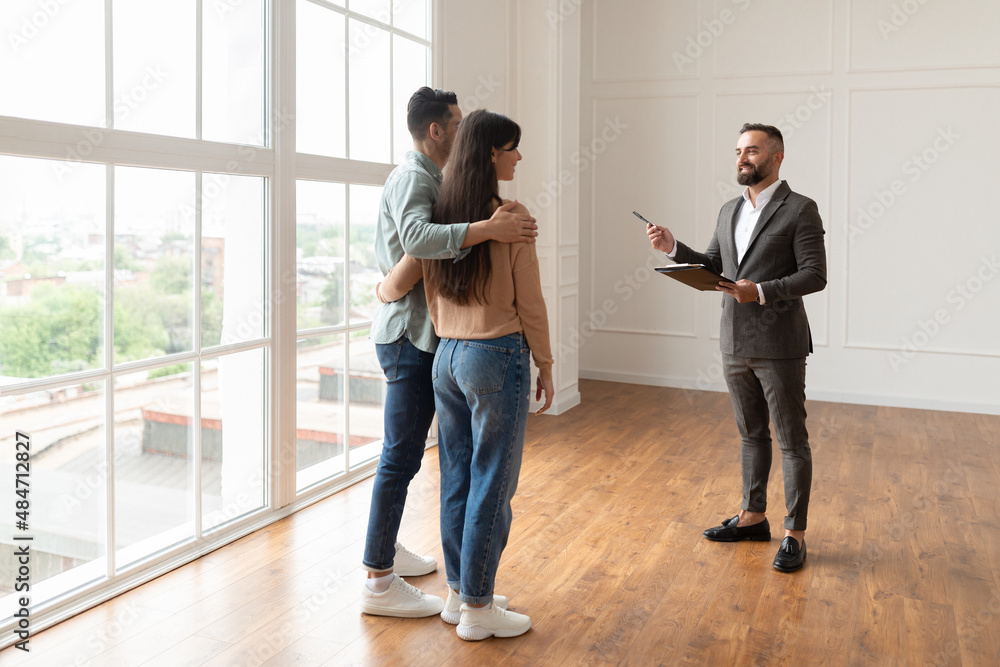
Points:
(392, 96)
(347, 88)
(347, 335)
(198, 68)
(109, 360)
(109, 66)
(196, 343)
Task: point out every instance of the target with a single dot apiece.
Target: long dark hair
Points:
(470, 193)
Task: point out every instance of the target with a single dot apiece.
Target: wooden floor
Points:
(607, 558)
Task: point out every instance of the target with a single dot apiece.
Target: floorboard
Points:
(607, 557)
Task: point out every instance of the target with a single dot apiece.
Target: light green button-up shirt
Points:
(404, 226)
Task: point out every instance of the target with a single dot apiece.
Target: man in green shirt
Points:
(405, 343)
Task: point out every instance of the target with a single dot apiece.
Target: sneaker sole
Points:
(415, 573)
(455, 617)
(475, 633)
(374, 610)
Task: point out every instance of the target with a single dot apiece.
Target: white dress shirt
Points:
(746, 221)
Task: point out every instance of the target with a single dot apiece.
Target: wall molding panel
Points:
(858, 89)
(913, 280)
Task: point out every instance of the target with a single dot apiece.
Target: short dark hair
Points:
(426, 106)
(776, 141)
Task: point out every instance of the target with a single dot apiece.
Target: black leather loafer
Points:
(790, 556)
(729, 532)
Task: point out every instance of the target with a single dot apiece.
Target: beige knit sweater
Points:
(514, 301)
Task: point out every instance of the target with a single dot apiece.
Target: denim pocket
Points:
(388, 358)
(484, 366)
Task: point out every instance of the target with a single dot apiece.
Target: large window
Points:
(144, 299)
(339, 54)
(341, 51)
(340, 388)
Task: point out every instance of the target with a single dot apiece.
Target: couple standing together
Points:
(460, 317)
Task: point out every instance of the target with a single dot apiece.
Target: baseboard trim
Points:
(914, 402)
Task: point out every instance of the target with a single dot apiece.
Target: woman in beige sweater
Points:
(489, 312)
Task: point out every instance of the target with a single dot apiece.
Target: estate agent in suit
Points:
(770, 241)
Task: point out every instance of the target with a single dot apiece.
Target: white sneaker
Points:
(408, 564)
(453, 606)
(479, 624)
(401, 600)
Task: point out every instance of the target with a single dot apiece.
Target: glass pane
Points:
(52, 271)
(410, 71)
(376, 9)
(233, 72)
(320, 115)
(154, 68)
(413, 16)
(367, 399)
(154, 257)
(369, 93)
(67, 493)
(233, 304)
(52, 62)
(319, 242)
(365, 273)
(154, 467)
(319, 392)
(233, 408)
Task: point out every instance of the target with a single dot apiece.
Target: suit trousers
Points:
(762, 390)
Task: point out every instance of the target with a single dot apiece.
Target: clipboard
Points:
(694, 275)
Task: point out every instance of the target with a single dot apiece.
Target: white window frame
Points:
(279, 163)
(348, 172)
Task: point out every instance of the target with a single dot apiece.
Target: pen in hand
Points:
(636, 214)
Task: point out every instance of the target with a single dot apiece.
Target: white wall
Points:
(891, 115)
(518, 57)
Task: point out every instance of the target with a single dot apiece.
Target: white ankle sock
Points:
(380, 584)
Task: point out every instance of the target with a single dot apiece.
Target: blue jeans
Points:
(409, 410)
(481, 390)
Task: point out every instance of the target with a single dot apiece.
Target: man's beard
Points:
(752, 177)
